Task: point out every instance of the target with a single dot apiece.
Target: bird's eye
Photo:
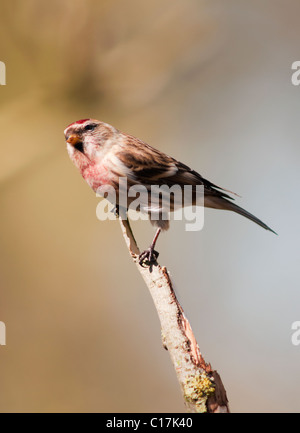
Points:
(90, 127)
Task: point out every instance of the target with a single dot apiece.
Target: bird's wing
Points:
(143, 164)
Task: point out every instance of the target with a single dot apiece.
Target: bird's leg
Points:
(150, 255)
(119, 211)
(116, 210)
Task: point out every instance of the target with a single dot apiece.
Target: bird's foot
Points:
(148, 256)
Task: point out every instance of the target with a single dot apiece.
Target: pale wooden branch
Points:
(202, 387)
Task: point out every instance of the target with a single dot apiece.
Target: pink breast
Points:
(96, 175)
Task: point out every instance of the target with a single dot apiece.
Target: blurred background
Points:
(208, 82)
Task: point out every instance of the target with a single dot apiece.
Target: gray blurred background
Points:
(208, 82)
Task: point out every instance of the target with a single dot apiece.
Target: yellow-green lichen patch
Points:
(197, 389)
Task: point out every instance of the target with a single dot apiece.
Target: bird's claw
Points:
(148, 256)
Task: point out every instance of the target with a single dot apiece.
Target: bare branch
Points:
(202, 387)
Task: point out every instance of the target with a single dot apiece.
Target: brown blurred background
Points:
(208, 82)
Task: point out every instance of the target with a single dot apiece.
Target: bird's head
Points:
(87, 139)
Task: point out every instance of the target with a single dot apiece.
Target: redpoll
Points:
(104, 155)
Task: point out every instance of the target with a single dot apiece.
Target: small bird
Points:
(103, 155)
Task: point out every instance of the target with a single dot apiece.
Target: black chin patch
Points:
(79, 146)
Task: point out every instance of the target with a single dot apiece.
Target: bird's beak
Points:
(73, 139)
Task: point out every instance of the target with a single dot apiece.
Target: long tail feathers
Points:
(222, 203)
